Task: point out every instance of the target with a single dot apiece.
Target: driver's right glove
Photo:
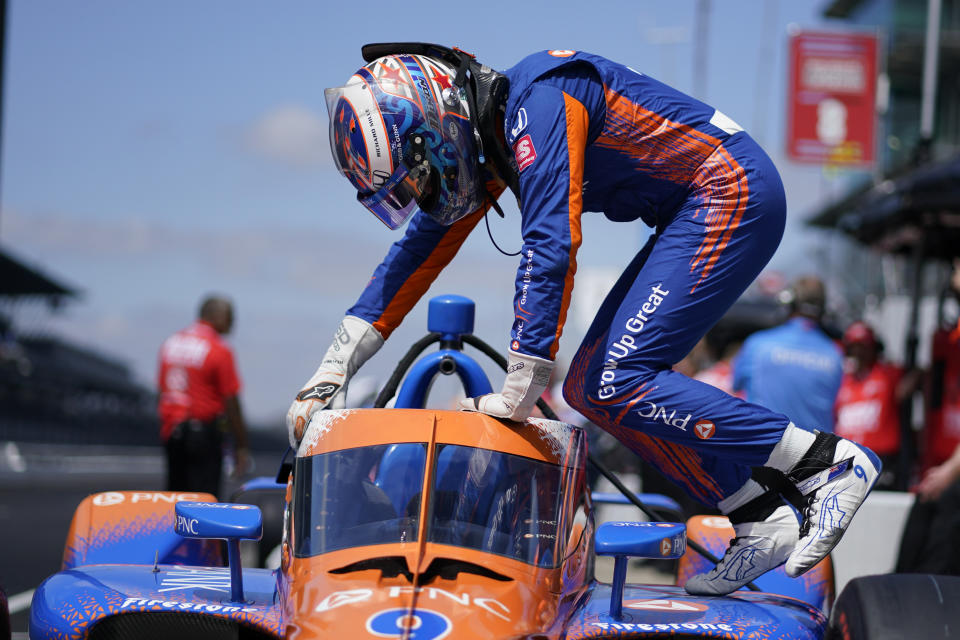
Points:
(355, 342)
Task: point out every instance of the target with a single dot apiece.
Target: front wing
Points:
(653, 611)
(69, 603)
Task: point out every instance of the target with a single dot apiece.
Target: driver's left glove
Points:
(527, 377)
(355, 342)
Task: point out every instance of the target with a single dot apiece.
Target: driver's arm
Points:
(411, 266)
(549, 152)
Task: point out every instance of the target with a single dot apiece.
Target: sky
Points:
(156, 152)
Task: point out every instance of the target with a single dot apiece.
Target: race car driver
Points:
(430, 137)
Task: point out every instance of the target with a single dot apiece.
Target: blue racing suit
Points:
(592, 135)
(795, 369)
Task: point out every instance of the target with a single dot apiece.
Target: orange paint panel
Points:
(476, 606)
(337, 430)
(101, 516)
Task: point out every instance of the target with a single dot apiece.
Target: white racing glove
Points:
(354, 343)
(527, 377)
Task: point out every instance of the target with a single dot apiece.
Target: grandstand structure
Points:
(53, 390)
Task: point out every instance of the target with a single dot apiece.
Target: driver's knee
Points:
(604, 387)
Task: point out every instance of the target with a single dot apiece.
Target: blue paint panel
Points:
(142, 540)
(665, 610)
(69, 602)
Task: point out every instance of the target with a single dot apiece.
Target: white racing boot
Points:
(794, 510)
(756, 548)
(834, 477)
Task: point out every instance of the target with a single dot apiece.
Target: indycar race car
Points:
(423, 524)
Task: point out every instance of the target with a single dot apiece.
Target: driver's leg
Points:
(678, 287)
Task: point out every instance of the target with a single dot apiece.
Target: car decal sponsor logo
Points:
(671, 627)
(187, 526)
(524, 152)
(340, 598)
(675, 546)
(213, 578)
(110, 498)
(704, 429)
(490, 605)
(222, 505)
(561, 53)
(681, 606)
(716, 522)
(143, 603)
(421, 624)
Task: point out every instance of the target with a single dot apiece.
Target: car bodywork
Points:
(406, 523)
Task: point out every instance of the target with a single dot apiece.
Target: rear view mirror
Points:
(622, 540)
(224, 521)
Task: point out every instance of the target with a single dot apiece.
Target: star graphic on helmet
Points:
(393, 74)
(442, 80)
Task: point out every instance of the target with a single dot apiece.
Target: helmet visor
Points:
(399, 197)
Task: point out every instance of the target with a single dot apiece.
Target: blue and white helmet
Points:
(400, 131)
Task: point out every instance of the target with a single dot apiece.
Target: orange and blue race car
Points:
(414, 523)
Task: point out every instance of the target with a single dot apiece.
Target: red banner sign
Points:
(832, 102)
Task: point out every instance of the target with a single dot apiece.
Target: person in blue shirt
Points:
(429, 137)
(795, 368)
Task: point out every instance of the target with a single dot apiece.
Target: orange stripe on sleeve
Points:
(420, 280)
(577, 124)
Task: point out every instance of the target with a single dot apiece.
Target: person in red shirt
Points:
(930, 534)
(199, 390)
(942, 434)
(867, 408)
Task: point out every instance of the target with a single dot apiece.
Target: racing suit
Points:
(591, 135)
